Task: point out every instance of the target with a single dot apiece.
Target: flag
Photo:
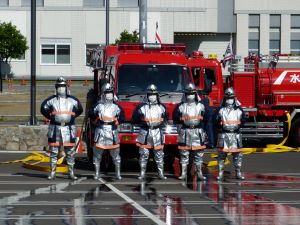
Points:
(157, 37)
(228, 55)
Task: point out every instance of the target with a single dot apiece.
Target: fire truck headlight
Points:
(125, 127)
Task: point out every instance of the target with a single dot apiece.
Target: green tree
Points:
(126, 37)
(12, 43)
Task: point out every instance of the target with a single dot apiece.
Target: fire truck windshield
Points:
(168, 78)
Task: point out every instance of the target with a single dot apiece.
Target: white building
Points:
(66, 27)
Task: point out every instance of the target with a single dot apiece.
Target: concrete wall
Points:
(23, 138)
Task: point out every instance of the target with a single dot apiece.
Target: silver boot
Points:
(199, 172)
(183, 172)
(143, 172)
(71, 172)
(53, 162)
(221, 170)
(97, 171)
(160, 168)
(118, 173)
(237, 161)
(53, 172)
(238, 174)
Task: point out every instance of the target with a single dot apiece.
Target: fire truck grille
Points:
(262, 130)
(171, 129)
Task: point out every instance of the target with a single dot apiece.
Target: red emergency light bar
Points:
(197, 54)
(152, 46)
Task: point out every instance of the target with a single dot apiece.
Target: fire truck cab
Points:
(207, 75)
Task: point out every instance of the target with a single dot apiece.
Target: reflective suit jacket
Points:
(230, 121)
(189, 116)
(152, 118)
(62, 113)
(108, 115)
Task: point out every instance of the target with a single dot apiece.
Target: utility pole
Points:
(143, 20)
(33, 120)
(1, 82)
(107, 22)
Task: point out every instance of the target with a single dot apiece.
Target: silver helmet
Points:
(152, 89)
(107, 88)
(60, 82)
(190, 89)
(229, 93)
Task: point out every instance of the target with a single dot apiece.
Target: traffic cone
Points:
(23, 82)
(9, 84)
(85, 83)
(79, 148)
(46, 121)
(176, 167)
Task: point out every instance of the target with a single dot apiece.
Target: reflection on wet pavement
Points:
(243, 207)
(260, 199)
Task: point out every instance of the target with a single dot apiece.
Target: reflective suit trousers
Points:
(184, 156)
(114, 153)
(144, 156)
(236, 156)
(69, 151)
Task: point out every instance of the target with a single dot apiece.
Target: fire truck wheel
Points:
(294, 138)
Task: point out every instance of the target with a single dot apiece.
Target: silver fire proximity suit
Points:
(230, 117)
(108, 115)
(61, 109)
(151, 115)
(189, 115)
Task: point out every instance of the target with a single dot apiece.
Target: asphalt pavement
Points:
(270, 194)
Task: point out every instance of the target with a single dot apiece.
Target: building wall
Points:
(264, 9)
(203, 25)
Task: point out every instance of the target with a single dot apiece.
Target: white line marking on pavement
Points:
(151, 216)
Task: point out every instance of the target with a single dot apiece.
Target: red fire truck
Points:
(266, 86)
(130, 68)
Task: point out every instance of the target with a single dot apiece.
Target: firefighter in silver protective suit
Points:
(61, 109)
(189, 115)
(230, 118)
(108, 115)
(152, 116)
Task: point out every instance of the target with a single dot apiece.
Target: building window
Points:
(93, 3)
(55, 54)
(128, 3)
(4, 3)
(295, 34)
(295, 47)
(274, 47)
(27, 3)
(253, 35)
(295, 21)
(274, 43)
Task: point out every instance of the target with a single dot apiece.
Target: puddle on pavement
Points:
(240, 207)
